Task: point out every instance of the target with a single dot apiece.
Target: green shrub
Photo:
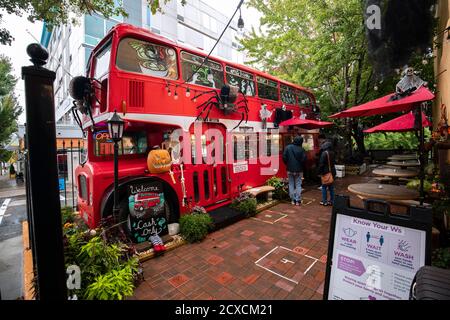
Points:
(245, 203)
(415, 185)
(107, 271)
(195, 227)
(441, 258)
(393, 140)
(116, 284)
(67, 215)
(280, 192)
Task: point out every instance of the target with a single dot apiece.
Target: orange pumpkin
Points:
(159, 161)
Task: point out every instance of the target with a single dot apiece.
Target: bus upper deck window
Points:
(209, 75)
(148, 58)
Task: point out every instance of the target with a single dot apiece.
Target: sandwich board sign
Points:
(374, 255)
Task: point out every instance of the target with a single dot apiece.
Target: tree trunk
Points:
(357, 133)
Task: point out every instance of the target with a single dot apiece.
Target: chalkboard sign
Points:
(147, 217)
(374, 255)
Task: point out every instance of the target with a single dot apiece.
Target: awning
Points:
(306, 123)
(400, 124)
(383, 105)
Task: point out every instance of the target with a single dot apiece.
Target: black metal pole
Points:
(421, 155)
(116, 181)
(43, 177)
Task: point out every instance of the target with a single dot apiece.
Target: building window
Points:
(94, 29)
(148, 17)
(267, 89)
(210, 74)
(147, 58)
(97, 27)
(181, 32)
(87, 54)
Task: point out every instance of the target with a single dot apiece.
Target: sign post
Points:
(374, 255)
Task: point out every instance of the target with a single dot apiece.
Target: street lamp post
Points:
(115, 128)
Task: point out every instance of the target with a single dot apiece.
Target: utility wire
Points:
(217, 42)
(52, 56)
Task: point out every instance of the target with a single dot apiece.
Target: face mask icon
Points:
(349, 232)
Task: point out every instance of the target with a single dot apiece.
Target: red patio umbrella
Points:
(401, 124)
(387, 105)
(306, 123)
(383, 105)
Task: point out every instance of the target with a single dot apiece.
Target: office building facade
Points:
(195, 24)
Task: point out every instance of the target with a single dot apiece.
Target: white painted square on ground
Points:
(286, 263)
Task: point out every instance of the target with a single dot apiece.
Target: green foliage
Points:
(107, 272)
(55, 12)
(415, 185)
(393, 140)
(441, 258)
(280, 192)
(116, 284)
(5, 155)
(195, 227)
(245, 203)
(441, 207)
(9, 107)
(7, 80)
(198, 209)
(322, 45)
(67, 215)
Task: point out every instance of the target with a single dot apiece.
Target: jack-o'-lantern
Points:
(159, 161)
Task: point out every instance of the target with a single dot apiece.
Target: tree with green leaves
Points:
(322, 45)
(9, 107)
(56, 12)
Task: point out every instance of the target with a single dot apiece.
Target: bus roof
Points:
(125, 29)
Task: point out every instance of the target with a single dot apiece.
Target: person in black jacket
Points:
(294, 158)
(326, 163)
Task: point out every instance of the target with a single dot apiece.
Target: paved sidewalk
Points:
(279, 254)
(9, 187)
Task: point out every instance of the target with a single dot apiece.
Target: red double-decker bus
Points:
(159, 88)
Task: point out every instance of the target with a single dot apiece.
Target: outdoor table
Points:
(404, 164)
(403, 157)
(395, 174)
(383, 191)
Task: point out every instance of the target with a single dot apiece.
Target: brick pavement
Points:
(254, 259)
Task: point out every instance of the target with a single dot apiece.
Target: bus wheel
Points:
(124, 214)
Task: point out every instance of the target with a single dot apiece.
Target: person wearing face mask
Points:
(327, 167)
(294, 157)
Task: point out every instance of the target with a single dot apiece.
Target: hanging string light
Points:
(175, 96)
(188, 92)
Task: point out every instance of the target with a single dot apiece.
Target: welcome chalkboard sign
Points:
(147, 217)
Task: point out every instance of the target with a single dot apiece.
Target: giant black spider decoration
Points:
(227, 101)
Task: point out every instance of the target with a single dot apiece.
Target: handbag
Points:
(327, 178)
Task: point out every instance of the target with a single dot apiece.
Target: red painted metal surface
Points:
(144, 103)
(401, 124)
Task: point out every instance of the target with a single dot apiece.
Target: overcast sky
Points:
(26, 32)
